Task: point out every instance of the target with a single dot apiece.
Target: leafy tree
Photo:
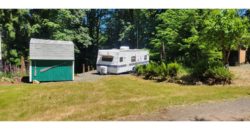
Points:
(225, 30)
(16, 31)
(95, 20)
(63, 24)
(20, 25)
(177, 36)
(60, 24)
(133, 28)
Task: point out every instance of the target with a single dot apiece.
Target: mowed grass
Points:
(110, 98)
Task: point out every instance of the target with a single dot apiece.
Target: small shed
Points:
(51, 60)
(238, 57)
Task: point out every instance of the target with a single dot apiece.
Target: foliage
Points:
(163, 70)
(178, 35)
(16, 31)
(225, 30)
(18, 26)
(186, 36)
(11, 76)
(159, 71)
(61, 24)
(140, 70)
(219, 75)
(212, 72)
(173, 69)
(151, 70)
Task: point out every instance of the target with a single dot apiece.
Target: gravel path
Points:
(88, 76)
(93, 76)
(233, 110)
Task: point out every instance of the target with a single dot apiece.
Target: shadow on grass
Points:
(25, 79)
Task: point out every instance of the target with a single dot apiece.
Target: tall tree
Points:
(63, 24)
(225, 29)
(20, 25)
(95, 20)
(177, 35)
(16, 31)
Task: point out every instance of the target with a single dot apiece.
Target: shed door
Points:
(52, 70)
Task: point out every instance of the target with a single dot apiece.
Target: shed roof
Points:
(41, 49)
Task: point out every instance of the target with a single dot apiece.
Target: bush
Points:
(212, 72)
(161, 71)
(11, 76)
(158, 71)
(140, 70)
(173, 69)
(218, 75)
(151, 70)
(202, 66)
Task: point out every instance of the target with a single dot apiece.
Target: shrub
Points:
(151, 70)
(212, 72)
(161, 71)
(140, 70)
(173, 69)
(218, 75)
(202, 66)
(199, 69)
(11, 76)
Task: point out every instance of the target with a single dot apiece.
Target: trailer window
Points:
(145, 57)
(121, 59)
(133, 58)
(107, 58)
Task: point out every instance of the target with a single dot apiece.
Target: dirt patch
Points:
(241, 75)
(234, 110)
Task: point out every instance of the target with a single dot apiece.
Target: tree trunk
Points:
(225, 54)
(23, 69)
(163, 52)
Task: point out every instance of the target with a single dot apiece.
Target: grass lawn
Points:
(106, 99)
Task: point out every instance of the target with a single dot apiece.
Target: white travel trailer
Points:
(116, 61)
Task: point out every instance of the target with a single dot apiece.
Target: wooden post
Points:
(88, 68)
(83, 68)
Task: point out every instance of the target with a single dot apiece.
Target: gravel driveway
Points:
(230, 110)
(88, 76)
(93, 76)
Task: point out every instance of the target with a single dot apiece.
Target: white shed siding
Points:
(41, 49)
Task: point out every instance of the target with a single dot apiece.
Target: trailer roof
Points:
(42, 49)
(122, 50)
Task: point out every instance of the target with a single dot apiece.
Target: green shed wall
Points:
(52, 70)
